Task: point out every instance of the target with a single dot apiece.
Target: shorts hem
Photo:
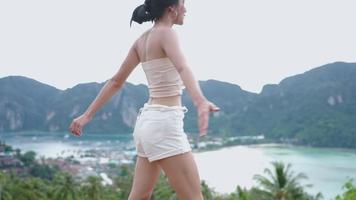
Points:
(141, 155)
(168, 154)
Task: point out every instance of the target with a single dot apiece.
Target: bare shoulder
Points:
(142, 36)
(140, 39)
(168, 34)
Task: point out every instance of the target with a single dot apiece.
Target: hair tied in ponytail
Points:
(147, 7)
(141, 14)
(151, 10)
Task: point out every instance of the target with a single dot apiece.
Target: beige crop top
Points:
(163, 78)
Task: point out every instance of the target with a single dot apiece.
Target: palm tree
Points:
(243, 194)
(29, 188)
(282, 183)
(66, 188)
(93, 190)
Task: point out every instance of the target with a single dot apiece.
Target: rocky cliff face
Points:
(316, 107)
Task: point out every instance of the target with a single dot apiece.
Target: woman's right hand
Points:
(78, 124)
(204, 110)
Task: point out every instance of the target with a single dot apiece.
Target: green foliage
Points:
(206, 191)
(28, 158)
(29, 188)
(8, 148)
(314, 108)
(239, 194)
(350, 193)
(66, 187)
(4, 187)
(92, 189)
(43, 171)
(163, 190)
(282, 183)
(124, 180)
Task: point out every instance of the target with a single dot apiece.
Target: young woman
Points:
(160, 140)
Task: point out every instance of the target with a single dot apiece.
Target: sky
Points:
(250, 43)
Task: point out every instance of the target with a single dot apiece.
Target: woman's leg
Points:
(145, 176)
(183, 175)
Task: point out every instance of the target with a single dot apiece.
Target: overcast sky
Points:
(250, 43)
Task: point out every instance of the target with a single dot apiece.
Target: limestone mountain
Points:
(316, 108)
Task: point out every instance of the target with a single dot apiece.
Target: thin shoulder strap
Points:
(145, 47)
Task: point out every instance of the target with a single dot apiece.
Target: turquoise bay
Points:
(223, 169)
(327, 169)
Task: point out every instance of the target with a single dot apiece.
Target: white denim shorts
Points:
(159, 131)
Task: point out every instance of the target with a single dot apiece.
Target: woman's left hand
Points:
(204, 110)
(78, 124)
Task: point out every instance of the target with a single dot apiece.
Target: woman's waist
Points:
(175, 100)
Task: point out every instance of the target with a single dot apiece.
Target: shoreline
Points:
(272, 144)
(100, 159)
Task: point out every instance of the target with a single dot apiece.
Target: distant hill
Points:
(315, 108)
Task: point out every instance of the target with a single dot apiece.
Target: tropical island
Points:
(24, 177)
(316, 108)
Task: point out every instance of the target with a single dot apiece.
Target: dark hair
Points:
(151, 10)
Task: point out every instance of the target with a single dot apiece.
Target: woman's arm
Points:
(172, 48)
(115, 83)
(107, 91)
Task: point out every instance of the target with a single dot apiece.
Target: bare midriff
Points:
(167, 101)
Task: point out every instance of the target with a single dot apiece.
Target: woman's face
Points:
(180, 9)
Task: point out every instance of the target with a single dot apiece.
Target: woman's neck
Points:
(163, 22)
